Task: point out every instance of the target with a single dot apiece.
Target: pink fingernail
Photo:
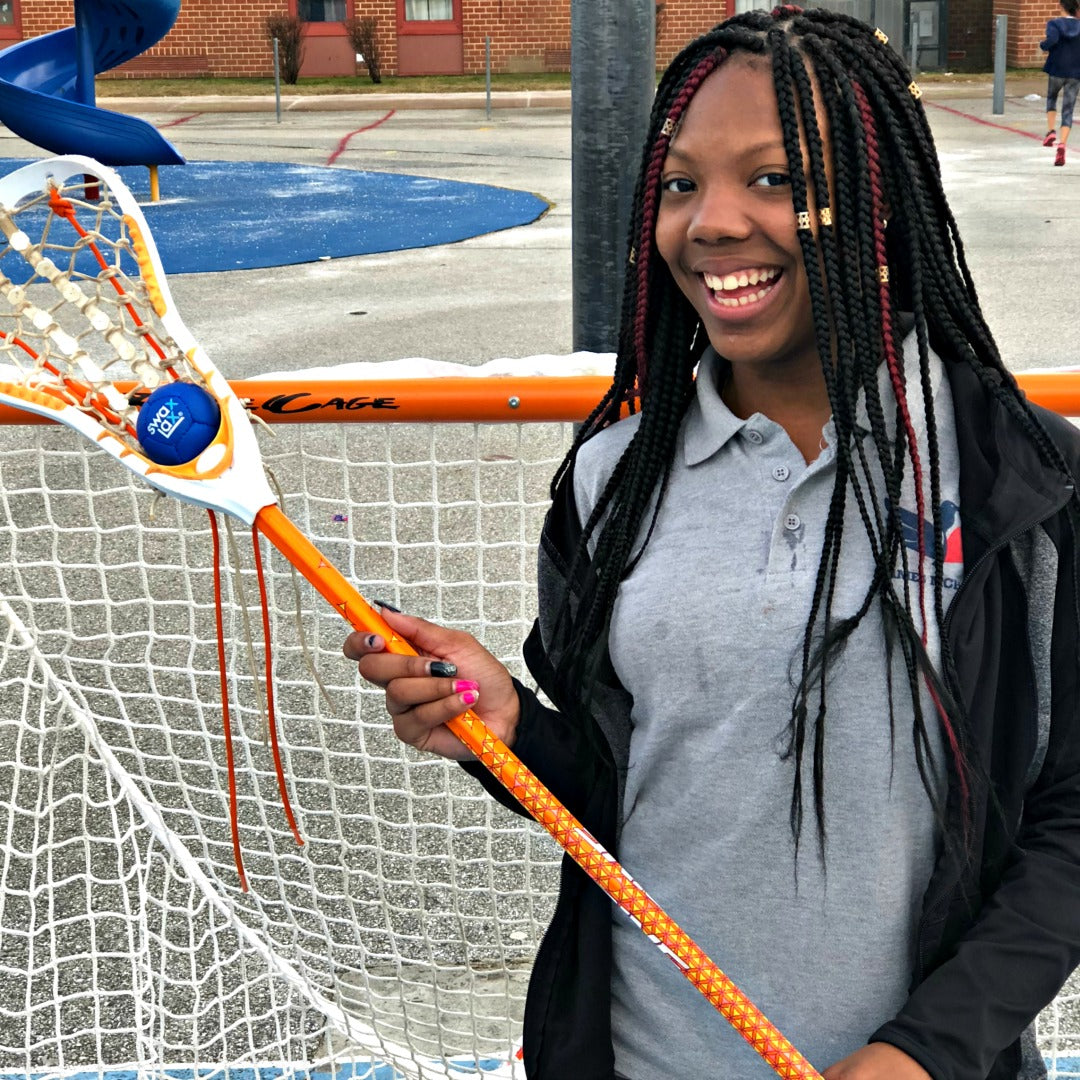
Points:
(465, 684)
(469, 697)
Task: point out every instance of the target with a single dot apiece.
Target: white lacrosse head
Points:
(88, 328)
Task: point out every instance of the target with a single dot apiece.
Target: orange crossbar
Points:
(465, 399)
(482, 399)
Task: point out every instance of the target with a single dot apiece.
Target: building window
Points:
(320, 11)
(10, 23)
(429, 10)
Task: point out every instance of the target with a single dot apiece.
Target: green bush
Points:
(287, 30)
(365, 41)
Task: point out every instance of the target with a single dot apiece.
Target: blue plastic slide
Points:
(47, 83)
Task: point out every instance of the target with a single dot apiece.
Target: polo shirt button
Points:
(781, 472)
(792, 522)
(755, 436)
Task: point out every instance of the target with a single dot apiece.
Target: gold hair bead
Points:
(668, 128)
(915, 91)
(802, 219)
(633, 256)
(881, 36)
(825, 216)
(883, 274)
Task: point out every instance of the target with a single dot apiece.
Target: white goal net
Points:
(397, 941)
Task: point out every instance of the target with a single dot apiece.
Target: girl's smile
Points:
(741, 293)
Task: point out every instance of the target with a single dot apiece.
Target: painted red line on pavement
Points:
(986, 123)
(341, 146)
(181, 120)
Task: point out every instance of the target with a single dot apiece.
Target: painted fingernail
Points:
(373, 641)
(442, 669)
(387, 607)
(461, 685)
(469, 697)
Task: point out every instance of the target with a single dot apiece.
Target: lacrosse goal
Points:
(397, 941)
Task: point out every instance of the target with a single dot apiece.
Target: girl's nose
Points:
(719, 215)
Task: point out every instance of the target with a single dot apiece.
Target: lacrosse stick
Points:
(86, 304)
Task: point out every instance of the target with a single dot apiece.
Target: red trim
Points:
(428, 26)
(325, 29)
(13, 31)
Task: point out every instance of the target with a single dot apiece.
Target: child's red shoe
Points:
(1049, 140)
(1059, 158)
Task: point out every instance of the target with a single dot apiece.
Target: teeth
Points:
(740, 280)
(742, 301)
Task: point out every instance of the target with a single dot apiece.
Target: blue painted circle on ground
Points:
(224, 215)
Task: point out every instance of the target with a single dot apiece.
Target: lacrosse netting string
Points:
(87, 306)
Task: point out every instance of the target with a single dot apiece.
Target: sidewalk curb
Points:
(976, 90)
(244, 103)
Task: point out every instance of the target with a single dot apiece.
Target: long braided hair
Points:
(861, 278)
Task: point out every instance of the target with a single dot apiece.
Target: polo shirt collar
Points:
(710, 424)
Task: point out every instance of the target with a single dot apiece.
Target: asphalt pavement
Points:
(508, 293)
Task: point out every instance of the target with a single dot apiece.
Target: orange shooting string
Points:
(271, 719)
(84, 395)
(62, 208)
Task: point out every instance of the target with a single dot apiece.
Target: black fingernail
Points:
(370, 640)
(388, 607)
(441, 669)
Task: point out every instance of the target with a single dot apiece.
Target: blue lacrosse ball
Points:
(177, 422)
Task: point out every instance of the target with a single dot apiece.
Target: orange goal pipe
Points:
(481, 399)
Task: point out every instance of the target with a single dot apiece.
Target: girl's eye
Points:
(772, 179)
(679, 184)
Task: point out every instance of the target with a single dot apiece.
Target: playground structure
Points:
(47, 85)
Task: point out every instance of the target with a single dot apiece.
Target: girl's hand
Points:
(876, 1061)
(420, 701)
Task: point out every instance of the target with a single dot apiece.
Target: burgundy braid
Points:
(649, 207)
(893, 362)
(892, 358)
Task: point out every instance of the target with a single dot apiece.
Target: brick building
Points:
(418, 37)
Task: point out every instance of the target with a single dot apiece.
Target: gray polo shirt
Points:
(706, 635)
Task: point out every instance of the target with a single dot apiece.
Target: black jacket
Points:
(999, 935)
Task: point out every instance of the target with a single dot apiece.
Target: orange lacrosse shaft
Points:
(564, 828)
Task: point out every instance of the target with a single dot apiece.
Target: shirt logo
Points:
(950, 524)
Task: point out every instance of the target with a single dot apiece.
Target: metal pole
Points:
(913, 45)
(487, 74)
(84, 55)
(613, 81)
(1001, 40)
(277, 81)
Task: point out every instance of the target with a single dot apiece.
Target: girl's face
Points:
(726, 227)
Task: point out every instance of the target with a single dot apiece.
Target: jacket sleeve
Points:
(1051, 38)
(1014, 959)
(1025, 940)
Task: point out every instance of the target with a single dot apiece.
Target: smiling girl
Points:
(808, 615)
